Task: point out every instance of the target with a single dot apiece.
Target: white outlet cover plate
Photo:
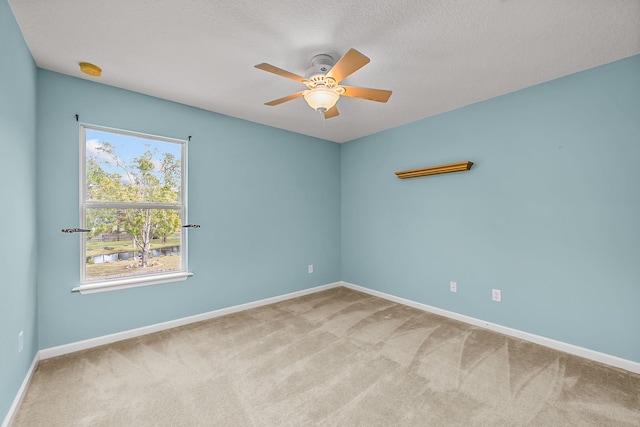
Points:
(453, 286)
(496, 295)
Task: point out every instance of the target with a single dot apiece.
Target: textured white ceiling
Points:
(435, 55)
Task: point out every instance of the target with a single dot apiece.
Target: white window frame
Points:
(94, 286)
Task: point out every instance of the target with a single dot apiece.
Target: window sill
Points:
(134, 282)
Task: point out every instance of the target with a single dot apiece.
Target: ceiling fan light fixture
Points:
(321, 99)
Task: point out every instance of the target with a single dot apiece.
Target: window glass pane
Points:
(132, 242)
(126, 168)
(133, 204)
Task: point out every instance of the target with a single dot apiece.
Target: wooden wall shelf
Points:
(435, 170)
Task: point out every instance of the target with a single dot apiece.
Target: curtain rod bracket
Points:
(77, 117)
(75, 230)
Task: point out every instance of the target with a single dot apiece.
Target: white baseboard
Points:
(537, 339)
(132, 333)
(8, 419)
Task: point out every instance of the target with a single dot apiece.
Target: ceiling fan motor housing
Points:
(320, 65)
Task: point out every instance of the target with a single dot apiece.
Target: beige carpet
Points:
(334, 358)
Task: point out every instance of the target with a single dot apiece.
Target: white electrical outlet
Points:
(20, 341)
(310, 268)
(496, 295)
(453, 286)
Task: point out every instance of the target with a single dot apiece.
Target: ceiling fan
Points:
(323, 82)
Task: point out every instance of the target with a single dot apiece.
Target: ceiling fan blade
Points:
(378, 95)
(285, 99)
(331, 112)
(279, 71)
(351, 62)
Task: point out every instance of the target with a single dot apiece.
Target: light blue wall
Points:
(549, 214)
(18, 213)
(268, 202)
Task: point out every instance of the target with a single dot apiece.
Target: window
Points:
(132, 201)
